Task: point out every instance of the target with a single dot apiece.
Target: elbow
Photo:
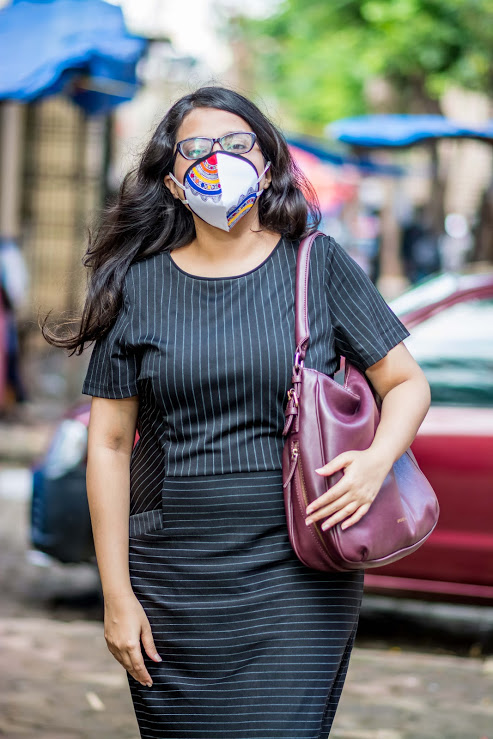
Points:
(112, 444)
(423, 389)
(112, 425)
(110, 441)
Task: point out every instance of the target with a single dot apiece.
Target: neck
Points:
(215, 246)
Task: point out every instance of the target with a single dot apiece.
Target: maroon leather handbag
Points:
(324, 419)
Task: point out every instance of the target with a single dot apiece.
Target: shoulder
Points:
(142, 275)
(339, 264)
(322, 245)
(324, 252)
(328, 246)
(324, 249)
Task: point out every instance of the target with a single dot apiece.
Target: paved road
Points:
(58, 680)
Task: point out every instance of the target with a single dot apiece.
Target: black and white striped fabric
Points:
(211, 358)
(254, 643)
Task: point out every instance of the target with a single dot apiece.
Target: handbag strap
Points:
(302, 331)
(302, 328)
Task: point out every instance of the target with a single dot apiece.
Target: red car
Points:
(451, 322)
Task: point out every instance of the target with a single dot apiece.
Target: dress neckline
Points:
(232, 277)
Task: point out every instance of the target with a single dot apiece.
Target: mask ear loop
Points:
(265, 169)
(260, 177)
(179, 185)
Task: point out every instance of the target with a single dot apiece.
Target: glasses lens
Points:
(239, 143)
(195, 148)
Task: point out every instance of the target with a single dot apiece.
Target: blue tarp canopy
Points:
(316, 147)
(79, 47)
(374, 131)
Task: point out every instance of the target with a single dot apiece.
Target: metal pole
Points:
(11, 136)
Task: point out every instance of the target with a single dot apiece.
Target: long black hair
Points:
(146, 219)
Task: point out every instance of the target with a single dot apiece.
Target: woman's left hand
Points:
(353, 494)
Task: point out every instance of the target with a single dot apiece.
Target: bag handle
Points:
(302, 328)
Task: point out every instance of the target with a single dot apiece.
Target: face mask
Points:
(221, 188)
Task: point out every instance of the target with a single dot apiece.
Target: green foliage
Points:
(315, 56)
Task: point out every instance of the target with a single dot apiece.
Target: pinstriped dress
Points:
(254, 643)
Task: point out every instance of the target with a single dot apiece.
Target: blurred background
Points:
(387, 108)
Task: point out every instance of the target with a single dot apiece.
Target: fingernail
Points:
(319, 469)
(158, 658)
(308, 521)
(149, 685)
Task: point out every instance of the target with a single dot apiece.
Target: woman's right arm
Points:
(111, 437)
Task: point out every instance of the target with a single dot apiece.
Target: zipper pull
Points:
(287, 425)
(294, 462)
(291, 410)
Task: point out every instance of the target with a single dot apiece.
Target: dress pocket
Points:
(145, 522)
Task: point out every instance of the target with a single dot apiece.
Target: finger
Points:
(148, 642)
(328, 510)
(120, 656)
(131, 659)
(331, 495)
(340, 515)
(356, 517)
(138, 667)
(125, 661)
(336, 464)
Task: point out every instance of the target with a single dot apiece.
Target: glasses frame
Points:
(212, 142)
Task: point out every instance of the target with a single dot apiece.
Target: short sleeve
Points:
(113, 368)
(365, 327)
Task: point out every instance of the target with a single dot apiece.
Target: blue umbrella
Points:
(374, 131)
(80, 47)
(317, 147)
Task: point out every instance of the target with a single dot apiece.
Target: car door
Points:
(454, 445)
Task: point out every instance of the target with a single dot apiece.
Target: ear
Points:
(172, 187)
(267, 178)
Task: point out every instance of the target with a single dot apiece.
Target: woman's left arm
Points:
(405, 393)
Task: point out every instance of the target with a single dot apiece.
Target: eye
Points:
(195, 148)
(194, 153)
(238, 142)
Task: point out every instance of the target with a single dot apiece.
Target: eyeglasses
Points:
(239, 142)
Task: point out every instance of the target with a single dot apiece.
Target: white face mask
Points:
(221, 188)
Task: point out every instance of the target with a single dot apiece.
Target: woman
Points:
(222, 630)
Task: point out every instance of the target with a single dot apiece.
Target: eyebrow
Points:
(201, 136)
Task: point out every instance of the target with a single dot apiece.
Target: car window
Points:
(454, 348)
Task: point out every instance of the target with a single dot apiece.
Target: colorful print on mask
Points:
(221, 188)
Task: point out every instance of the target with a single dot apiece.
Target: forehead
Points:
(210, 122)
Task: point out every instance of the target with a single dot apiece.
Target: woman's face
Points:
(212, 122)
